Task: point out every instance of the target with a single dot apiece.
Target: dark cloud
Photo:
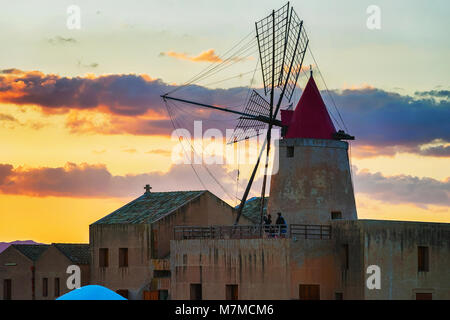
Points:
(434, 93)
(95, 181)
(384, 123)
(403, 189)
(391, 122)
(439, 151)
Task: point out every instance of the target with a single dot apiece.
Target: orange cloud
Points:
(205, 56)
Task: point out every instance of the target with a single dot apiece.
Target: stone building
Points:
(326, 252)
(18, 271)
(29, 272)
(183, 244)
(131, 247)
(51, 269)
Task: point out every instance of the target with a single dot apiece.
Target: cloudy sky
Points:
(83, 128)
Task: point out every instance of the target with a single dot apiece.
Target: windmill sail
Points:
(282, 43)
(250, 127)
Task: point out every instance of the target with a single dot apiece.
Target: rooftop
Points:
(76, 252)
(150, 207)
(310, 119)
(252, 209)
(31, 251)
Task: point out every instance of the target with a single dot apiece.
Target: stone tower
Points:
(313, 184)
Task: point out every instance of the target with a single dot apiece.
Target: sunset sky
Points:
(83, 128)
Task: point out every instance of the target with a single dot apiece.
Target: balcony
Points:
(294, 231)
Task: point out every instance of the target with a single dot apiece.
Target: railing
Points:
(301, 231)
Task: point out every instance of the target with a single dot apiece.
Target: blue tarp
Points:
(93, 292)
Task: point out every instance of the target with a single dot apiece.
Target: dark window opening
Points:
(57, 287)
(290, 152)
(338, 296)
(103, 259)
(45, 287)
(335, 215)
(163, 294)
(346, 256)
(309, 292)
(424, 296)
(196, 291)
(232, 292)
(123, 257)
(123, 293)
(161, 274)
(7, 289)
(423, 259)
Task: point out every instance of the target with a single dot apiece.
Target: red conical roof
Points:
(311, 118)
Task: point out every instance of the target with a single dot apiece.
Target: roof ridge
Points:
(183, 204)
(150, 207)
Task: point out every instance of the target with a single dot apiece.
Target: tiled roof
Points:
(76, 252)
(252, 209)
(31, 251)
(150, 207)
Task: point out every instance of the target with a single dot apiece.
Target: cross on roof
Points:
(147, 188)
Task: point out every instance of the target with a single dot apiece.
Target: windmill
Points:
(282, 44)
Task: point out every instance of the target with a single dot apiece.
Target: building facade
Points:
(130, 248)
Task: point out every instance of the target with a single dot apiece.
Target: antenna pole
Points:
(263, 191)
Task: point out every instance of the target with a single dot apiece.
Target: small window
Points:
(309, 292)
(123, 293)
(424, 296)
(57, 287)
(346, 256)
(161, 274)
(7, 289)
(103, 259)
(338, 296)
(290, 152)
(231, 292)
(123, 257)
(196, 291)
(423, 259)
(336, 215)
(163, 294)
(45, 287)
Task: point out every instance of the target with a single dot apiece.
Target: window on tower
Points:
(336, 215)
(290, 152)
(103, 258)
(423, 259)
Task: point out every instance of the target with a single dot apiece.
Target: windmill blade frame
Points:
(257, 106)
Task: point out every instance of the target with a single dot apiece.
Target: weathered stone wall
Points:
(260, 267)
(203, 211)
(393, 246)
(135, 237)
(53, 264)
(312, 183)
(314, 261)
(275, 268)
(149, 241)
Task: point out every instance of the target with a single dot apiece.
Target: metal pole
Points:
(263, 191)
(258, 117)
(249, 184)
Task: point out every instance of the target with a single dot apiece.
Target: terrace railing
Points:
(300, 231)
